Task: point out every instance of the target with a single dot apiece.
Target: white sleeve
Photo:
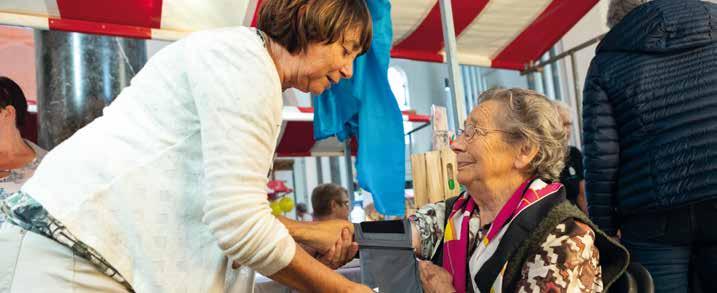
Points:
(235, 91)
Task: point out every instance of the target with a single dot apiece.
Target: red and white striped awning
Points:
(492, 33)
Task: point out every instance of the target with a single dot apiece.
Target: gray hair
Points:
(564, 111)
(619, 8)
(532, 118)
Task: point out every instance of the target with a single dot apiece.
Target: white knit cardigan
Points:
(169, 184)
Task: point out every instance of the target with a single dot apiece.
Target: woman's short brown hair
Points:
(295, 24)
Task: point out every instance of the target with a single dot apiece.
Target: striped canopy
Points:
(492, 33)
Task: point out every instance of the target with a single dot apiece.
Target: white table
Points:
(262, 284)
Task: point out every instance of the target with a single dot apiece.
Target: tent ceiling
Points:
(493, 33)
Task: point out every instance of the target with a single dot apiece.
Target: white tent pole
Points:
(578, 97)
(349, 170)
(31, 21)
(454, 72)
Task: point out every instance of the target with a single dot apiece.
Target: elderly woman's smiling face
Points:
(482, 151)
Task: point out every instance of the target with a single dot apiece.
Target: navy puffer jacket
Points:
(650, 112)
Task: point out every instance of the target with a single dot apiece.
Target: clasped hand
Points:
(331, 242)
(435, 279)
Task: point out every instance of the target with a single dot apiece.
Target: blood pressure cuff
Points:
(388, 263)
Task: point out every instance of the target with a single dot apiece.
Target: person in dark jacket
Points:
(650, 137)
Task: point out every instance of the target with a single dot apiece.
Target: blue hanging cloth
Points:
(365, 105)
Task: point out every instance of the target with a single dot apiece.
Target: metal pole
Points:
(578, 97)
(410, 143)
(296, 200)
(349, 169)
(77, 76)
(454, 72)
(540, 64)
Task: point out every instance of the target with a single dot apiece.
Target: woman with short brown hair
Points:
(168, 186)
(316, 21)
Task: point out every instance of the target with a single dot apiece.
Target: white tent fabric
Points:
(494, 33)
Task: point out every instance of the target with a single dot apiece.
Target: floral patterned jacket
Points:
(568, 262)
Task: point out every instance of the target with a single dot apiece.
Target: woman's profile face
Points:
(341, 209)
(485, 155)
(323, 65)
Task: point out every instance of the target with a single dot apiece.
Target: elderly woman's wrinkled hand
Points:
(435, 279)
(343, 251)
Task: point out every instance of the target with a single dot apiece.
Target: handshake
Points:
(330, 242)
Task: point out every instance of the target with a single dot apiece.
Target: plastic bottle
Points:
(357, 215)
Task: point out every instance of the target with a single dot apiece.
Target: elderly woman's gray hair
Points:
(619, 8)
(564, 111)
(532, 118)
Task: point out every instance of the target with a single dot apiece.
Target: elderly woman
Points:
(512, 230)
(167, 188)
(18, 157)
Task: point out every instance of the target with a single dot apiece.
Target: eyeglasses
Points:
(471, 130)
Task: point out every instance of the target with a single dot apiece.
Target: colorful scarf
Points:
(455, 242)
(457, 230)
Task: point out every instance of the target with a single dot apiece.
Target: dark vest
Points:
(528, 231)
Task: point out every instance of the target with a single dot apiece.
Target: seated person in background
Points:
(572, 175)
(513, 229)
(330, 202)
(18, 157)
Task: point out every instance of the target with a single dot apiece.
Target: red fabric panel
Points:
(142, 13)
(354, 146)
(100, 28)
(559, 17)
(256, 13)
(306, 109)
(416, 55)
(427, 39)
(298, 139)
(418, 118)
